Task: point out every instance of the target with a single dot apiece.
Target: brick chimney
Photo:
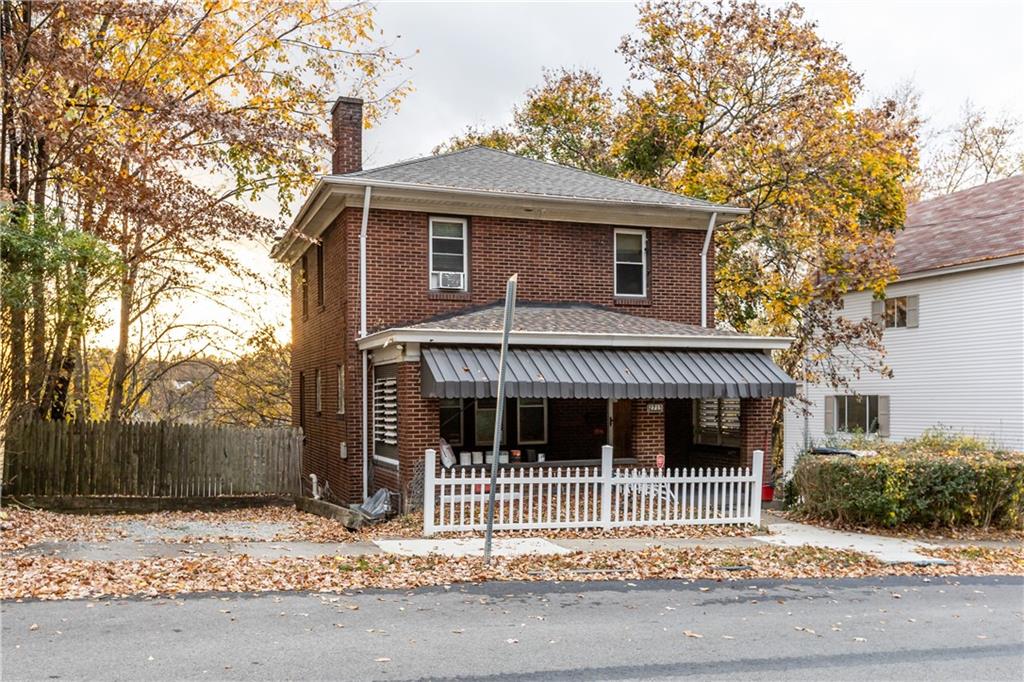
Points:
(347, 131)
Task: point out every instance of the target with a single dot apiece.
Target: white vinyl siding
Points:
(962, 368)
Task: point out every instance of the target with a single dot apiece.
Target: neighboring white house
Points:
(953, 330)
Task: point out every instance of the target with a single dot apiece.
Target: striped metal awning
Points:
(472, 372)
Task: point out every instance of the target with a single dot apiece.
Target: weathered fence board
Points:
(149, 459)
(591, 497)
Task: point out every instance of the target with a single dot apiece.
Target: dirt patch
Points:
(47, 578)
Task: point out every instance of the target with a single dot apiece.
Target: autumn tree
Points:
(738, 103)
(977, 148)
(146, 124)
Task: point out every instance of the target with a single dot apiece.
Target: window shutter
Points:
(913, 305)
(830, 414)
(878, 312)
(883, 414)
(385, 415)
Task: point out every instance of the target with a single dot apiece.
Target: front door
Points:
(678, 427)
(622, 428)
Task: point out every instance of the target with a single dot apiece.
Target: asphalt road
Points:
(969, 628)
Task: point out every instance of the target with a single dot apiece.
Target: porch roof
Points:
(472, 372)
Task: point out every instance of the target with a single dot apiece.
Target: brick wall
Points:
(556, 261)
(756, 432)
(648, 434)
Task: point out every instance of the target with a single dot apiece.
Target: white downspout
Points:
(362, 334)
(704, 271)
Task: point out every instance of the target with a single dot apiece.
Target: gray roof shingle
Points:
(976, 224)
(568, 318)
(490, 170)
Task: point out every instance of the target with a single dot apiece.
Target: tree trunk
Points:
(37, 362)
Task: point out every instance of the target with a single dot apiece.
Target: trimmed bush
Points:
(936, 480)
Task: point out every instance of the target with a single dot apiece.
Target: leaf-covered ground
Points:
(52, 578)
(22, 527)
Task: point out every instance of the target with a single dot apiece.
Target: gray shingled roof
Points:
(569, 318)
(489, 170)
(976, 224)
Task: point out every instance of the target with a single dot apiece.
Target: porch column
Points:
(648, 431)
(756, 432)
(418, 429)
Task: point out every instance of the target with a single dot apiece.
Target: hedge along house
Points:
(397, 278)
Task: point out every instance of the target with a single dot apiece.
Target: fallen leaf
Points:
(511, 640)
(382, 659)
(691, 633)
(34, 626)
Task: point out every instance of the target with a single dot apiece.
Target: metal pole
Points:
(499, 411)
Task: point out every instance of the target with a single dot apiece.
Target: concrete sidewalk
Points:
(780, 532)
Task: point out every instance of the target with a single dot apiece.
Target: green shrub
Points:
(936, 480)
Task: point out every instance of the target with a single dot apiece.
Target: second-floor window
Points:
(630, 263)
(449, 254)
(896, 312)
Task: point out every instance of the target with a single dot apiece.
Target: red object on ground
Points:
(767, 493)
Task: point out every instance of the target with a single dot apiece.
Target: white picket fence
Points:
(534, 498)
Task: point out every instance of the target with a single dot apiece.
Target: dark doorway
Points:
(622, 428)
(678, 432)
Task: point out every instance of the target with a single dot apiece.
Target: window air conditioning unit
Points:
(451, 280)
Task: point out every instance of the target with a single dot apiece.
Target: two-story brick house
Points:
(397, 279)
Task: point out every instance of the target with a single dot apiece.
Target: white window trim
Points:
(341, 389)
(462, 424)
(319, 392)
(643, 261)
(519, 420)
(465, 251)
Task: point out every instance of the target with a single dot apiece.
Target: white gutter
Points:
(407, 335)
(704, 271)
(362, 334)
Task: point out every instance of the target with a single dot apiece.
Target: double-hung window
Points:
(631, 263)
(319, 393)
(341, 389)
(451, 420)
(484, 414)
(532, 420)
(449, 254)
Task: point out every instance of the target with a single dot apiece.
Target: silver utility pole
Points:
(499, 411)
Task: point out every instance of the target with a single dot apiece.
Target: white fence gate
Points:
(591, 497)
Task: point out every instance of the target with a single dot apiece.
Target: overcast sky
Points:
(477, 59)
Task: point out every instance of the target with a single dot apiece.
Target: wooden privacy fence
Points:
(591, 497)
(149, 459)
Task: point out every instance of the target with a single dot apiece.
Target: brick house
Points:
(397, 278)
